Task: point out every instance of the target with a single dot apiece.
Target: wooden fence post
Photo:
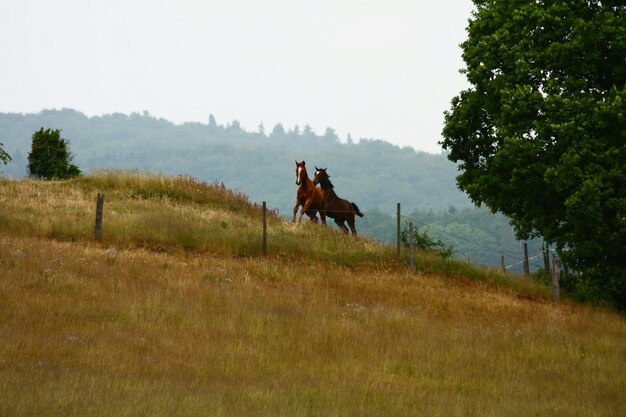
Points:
(502, 267)
(99, 210)
(526, 265)
(556, 271)
(411, 254)
(398, 232)
(264, 229)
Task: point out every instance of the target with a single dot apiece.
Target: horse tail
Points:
(356, 210)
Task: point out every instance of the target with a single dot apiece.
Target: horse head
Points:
(320, 175)
(300, 172)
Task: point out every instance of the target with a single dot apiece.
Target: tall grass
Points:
(140, 209)
(176, 313)
(93, 331)
(165, 213)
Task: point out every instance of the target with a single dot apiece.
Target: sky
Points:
(377, 69)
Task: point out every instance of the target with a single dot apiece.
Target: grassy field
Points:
(177, 313)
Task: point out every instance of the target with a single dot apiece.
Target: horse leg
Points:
(323, 216)
(342, 226)
(312, 215)
(351, 224)
(305, 208)
(295, 211)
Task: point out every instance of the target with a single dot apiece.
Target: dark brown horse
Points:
(310, 197)
(336, 207)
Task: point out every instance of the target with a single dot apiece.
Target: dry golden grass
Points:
(134, 327)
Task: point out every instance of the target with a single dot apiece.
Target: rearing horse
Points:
(310, 197)
(337, 208)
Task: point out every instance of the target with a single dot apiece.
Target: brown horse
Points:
(310, 197)
(336, 207)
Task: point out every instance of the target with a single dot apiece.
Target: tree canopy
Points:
(540, 135)
(49, 157)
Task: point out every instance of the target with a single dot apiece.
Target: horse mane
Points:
(330, 184)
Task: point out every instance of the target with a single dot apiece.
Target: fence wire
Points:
(520, 260)
(271, 211)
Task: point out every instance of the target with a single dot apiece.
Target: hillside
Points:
(176, 312)
(374, 174)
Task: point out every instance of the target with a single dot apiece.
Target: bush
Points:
(422, 241)
(49, 157)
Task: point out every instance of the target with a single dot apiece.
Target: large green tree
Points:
(540, 135)
(50, 157)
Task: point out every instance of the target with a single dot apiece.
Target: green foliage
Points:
(49, 157)
(476, 235)
(541, 135)
(422, 241)
(4, 157)
(544, 277)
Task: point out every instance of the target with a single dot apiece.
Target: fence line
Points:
(555, 269)
(264, 229)
(462, 238)
(500, 252)
(412, 221)
(521, 260)
(99, 210)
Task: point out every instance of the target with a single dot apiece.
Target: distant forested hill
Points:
(373, 173)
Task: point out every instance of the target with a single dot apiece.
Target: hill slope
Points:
(176, 313)
(374, 174)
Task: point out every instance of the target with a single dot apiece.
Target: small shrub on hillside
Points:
(422, 241)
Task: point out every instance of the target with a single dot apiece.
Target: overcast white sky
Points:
(384, 69)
